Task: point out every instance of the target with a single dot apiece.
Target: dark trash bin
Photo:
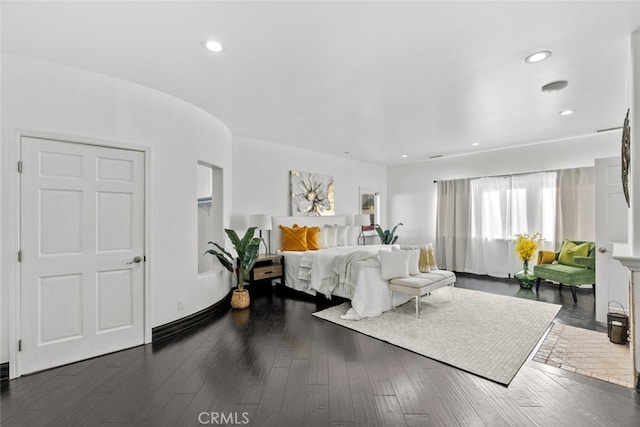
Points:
(617, 325)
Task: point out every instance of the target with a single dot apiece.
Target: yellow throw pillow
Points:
(432, 257)
(423, 260)
(570, 250)
(313, 238)
(294, 238)
(546, 257)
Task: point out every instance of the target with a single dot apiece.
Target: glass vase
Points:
(525, 277)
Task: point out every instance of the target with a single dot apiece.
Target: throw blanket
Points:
(325, 271)
(304, 271)
(348, 267)
(316, 268)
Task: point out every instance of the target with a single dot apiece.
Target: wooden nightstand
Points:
(268, 268)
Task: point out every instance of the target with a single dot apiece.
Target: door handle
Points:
(135, 259)
(602, 249)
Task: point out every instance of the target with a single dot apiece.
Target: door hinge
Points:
(19, 345)
(20, 166)
(19, 256)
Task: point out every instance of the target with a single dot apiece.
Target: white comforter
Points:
(348, 271)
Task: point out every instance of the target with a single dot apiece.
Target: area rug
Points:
(486, 334)
(587, 353)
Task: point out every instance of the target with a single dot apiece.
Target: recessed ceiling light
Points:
(475, 144)
(404, 156)
(567, 112)
(537, 57)
(213, 46)
(555, 86)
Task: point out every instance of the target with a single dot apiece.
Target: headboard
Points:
(309, 221)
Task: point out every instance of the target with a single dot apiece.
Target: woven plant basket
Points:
(240, 299)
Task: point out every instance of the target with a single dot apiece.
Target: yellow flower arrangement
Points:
(526, 245)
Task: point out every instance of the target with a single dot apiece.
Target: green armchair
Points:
(569, 266)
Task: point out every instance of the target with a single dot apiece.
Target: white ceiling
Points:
(364, 80)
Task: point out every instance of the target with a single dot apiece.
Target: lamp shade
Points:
(262, 221)
(360, 220)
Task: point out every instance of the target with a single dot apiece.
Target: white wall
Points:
(634, 195)
(261, 177)
(634, 168)
(412, 192)
(48, 98)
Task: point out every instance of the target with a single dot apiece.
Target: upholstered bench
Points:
(421, 284)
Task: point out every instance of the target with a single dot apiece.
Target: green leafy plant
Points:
(387, 236)
(247, 250)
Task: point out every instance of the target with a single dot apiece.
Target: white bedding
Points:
(351, 272)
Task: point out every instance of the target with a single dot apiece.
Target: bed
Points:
(350, 271)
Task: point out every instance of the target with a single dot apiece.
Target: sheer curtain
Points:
(576, 205)
(478, 218)
(490, 204)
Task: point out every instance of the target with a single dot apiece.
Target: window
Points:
(478, 219)
(507, 205)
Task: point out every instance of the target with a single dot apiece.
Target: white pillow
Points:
(332, 236)
(353, 233)
(393, 264)
(341, 238)
(322, 238)
(414, 258)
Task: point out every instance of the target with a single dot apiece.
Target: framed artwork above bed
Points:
(312, 194)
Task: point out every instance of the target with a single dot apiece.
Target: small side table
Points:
(268, 267)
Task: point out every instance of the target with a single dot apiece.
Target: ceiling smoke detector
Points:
(555, 86)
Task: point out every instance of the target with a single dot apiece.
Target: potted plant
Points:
(526, 246)
(387, 236)
(247, 250)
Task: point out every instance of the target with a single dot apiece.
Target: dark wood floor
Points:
(276, 365)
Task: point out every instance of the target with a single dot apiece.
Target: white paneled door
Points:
(82, 260)
(612, 224)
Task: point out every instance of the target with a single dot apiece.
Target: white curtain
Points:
(478, 218)
(576, 205)
(453, 224)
